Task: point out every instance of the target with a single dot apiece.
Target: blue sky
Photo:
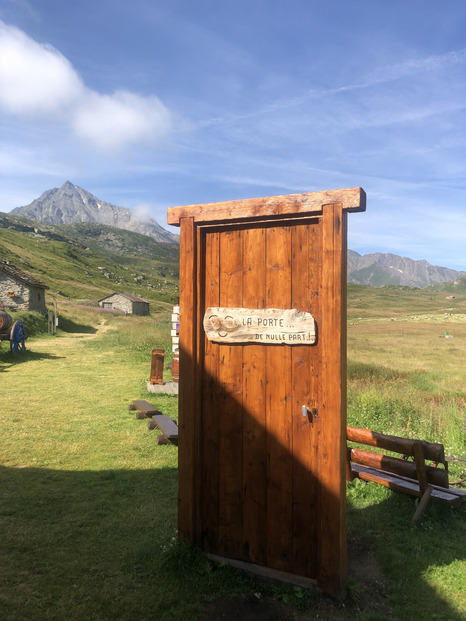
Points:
(155, 103)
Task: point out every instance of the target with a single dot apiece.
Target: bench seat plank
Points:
(145, 406)
(401, 484)
(166, 426)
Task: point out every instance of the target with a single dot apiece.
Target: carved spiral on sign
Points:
(222, 325)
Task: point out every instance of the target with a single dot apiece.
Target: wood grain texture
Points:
(210, 403)
(259, 481)
(188, 472)
(332, 506)
(309, 203)
(254, 418)
(279, 517)
(306, 274)
(230, 406)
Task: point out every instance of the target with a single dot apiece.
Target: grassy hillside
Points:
(398, 303)
(453, 287)
(89, 261)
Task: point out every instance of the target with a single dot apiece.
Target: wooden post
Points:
(156, 369)
(332, 465)
(189, 431)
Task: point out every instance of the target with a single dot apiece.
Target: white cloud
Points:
(37, 81)
(114, 121)
(142, 213)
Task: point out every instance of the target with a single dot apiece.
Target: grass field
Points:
(88, 501)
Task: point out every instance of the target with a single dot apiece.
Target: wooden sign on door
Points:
(262, 397)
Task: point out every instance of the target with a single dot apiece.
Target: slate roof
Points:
(18, 274)
(129, 296)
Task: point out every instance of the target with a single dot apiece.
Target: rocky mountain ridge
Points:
(380, 269)
(70, 204)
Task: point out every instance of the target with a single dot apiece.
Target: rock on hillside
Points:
(71, 203)
(390, 269)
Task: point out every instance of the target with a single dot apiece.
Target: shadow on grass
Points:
(7, 359)
(68, 325)
(412, 553)
(101, 545)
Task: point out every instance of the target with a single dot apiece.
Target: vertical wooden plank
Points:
(278, 405)
(315, 389)
(254, 420)
(230, 405)
(305, 391)
(332, 514)
(188, 415)
(210, 403)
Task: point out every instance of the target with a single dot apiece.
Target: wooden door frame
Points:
(194, 220)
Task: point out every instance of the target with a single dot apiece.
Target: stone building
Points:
(20, 291)
(126, 302)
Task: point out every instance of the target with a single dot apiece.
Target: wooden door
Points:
(259, 481)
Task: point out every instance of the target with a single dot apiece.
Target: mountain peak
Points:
(70, 204)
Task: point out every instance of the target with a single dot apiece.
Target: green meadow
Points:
(88, 501)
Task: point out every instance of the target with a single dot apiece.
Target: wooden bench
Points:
(411, 477)
(167, 426)
(146, 409)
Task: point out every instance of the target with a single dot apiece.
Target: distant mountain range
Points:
(380, 270)
(70, 204)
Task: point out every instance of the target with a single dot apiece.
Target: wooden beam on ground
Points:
(144, 406)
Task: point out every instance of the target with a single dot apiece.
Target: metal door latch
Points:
(311, 414)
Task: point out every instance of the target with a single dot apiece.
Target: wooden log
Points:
(141, 415)
(432, 451)
(397, 466)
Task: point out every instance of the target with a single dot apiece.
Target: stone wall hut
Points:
(129, 303)
(20, 291)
